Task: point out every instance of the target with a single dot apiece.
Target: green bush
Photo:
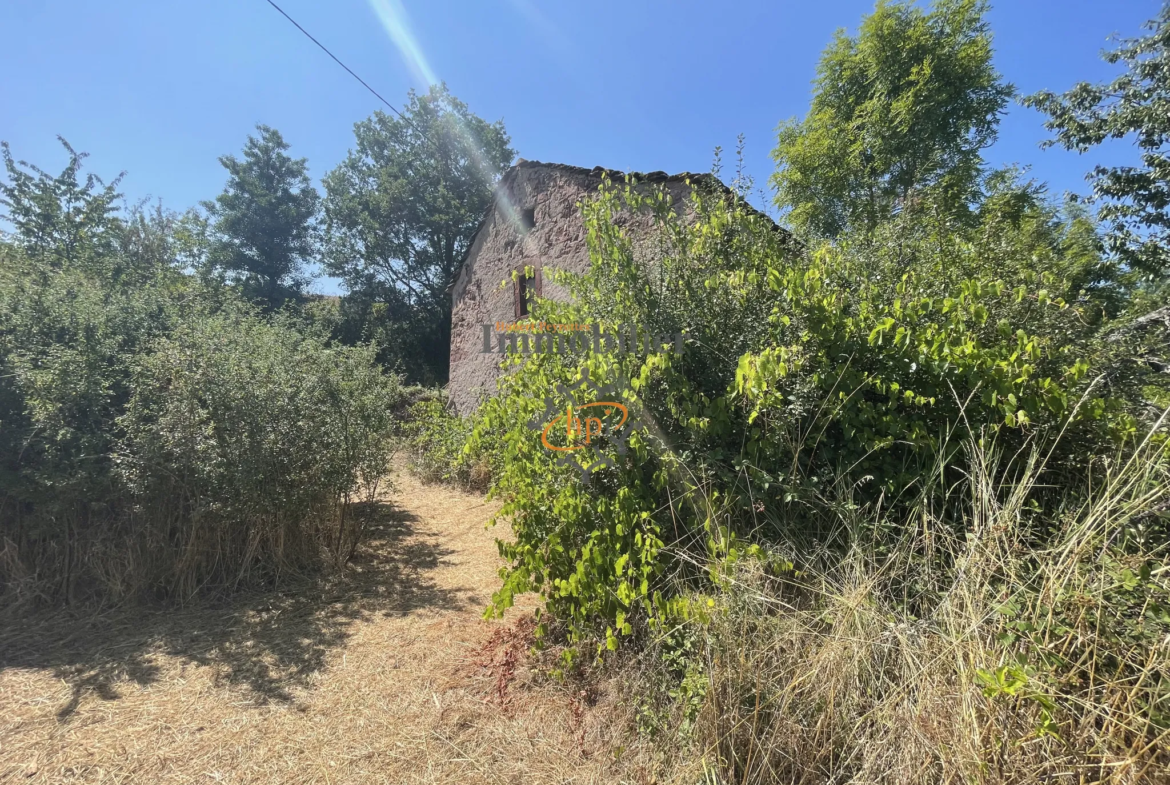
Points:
(436, 438)
(897, 513)
(222, 444)
(261, 436)
(860, 365)
(158, 437)
(68, 345)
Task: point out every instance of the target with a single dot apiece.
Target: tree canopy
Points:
(401, 211)
(60, 220)
(1134, 199)
(263, 225)
(906, 105)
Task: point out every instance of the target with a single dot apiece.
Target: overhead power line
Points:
(349, 70)
(408, 120)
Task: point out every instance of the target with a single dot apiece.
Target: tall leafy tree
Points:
(901, 110)
(263, 225)
(61, 221)
(401, 211)
(76, 223)
(1135, 200)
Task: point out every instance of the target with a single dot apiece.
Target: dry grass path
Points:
(385, 673)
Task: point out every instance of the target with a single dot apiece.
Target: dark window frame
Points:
(525, 288)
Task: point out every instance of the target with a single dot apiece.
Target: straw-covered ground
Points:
(384, 673)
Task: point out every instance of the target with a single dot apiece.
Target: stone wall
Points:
(545, 195)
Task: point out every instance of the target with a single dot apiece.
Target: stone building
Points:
(533, 221)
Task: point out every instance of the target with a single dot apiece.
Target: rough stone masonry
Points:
(533, 221)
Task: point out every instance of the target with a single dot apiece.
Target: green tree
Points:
(61, 221)
(900, 111)
(1137, 103)
(263, 225)
(401, 211)
(157, 436)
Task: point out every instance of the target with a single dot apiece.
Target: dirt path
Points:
(384, 674)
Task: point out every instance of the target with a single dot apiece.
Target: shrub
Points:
(157, 436)
(854, 365)
(436, 438)
(156, 446)
(67, 348)
(260, 437)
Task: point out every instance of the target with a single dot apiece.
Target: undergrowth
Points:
(896, 514)
(435, 439)
(1010, 661)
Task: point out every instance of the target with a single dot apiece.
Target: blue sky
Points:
(161, 89)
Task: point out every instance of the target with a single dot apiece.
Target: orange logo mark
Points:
(575, 428)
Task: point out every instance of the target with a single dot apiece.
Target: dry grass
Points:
(828, 678)
(384, 673)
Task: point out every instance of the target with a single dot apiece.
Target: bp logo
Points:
(578, 432)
